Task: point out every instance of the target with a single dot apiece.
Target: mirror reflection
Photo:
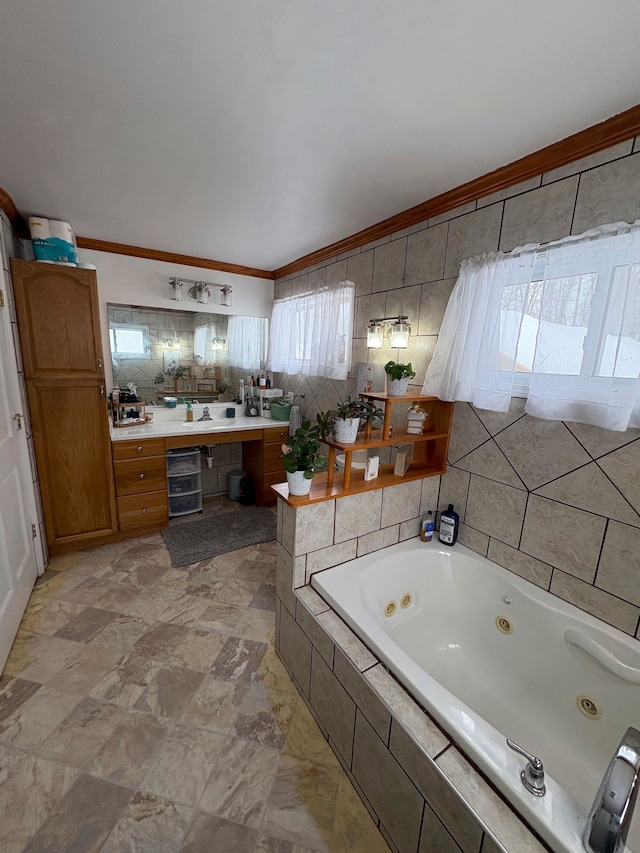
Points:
(191, 355)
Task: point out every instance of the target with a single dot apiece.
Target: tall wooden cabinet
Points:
(60, 340)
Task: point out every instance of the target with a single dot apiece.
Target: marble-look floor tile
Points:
(24, 651)
(253, 571)
(301, 805)
(149, 825)
(272, 673)
(264, 715)
(149, 603)
(88, 592)
(79, 737)
(37, 717)
(46, 616)
(209, 834)
(129, 750)
(82, 819)
(84, 627)
(183, 765)
(184, 610)
(169, 691)
(122, 633)
(265, 598)
(126, 683)
(13, 692)
(305, 740)
(27, 797)
(160, 641)
(214, 705)
(51, 657)
(256, 624)
(239, 787)
(220, 617)
(84, 669)
(353, 828)
(197, 649)
(239, 659)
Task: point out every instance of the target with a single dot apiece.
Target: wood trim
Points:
(16, 219)
(169, 257)
(603, 135)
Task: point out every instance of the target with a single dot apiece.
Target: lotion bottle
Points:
(189, 412)
(427, 528)
(449, 523)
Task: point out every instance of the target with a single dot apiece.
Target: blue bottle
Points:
(449, 523)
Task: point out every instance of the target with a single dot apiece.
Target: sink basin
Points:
(215, 422)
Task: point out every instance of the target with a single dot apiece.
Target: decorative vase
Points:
(397, 387)
(345, 431)
(298, 483)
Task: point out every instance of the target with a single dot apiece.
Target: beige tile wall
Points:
(557, 503)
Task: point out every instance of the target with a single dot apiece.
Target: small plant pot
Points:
(298, 483)
(346, 431)
(397, 387)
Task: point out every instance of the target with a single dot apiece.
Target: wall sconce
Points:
(176, 289)
(218, 343)
(398, 332)
(200, 291)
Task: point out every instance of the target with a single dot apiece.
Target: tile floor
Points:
(143, 708)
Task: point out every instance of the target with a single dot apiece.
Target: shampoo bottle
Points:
(449, 523)
(427, 527)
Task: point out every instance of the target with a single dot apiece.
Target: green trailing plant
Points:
(395, 370)
(300, 451)
(359, 408)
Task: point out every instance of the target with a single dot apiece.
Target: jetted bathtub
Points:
(491, 656)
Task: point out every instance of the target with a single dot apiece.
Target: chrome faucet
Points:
(205, 414)
(610, 816)
(532, 777)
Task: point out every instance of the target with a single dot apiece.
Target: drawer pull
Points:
(141, 476)
(140, 448)
(144, 509)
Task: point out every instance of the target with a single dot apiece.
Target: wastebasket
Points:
(233, 484)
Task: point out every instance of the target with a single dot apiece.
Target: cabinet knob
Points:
(141, 476)
(139, 448)
(144, 509)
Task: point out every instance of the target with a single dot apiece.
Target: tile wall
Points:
(11, 246)
(557, 503)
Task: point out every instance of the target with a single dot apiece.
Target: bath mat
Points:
(193, 541)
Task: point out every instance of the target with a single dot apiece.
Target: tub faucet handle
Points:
(533, 774)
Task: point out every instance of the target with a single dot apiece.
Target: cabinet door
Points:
(58, 319)
(71, 439)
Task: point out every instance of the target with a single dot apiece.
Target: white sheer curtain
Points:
(311, 334)
(559, 324)
(247, 339)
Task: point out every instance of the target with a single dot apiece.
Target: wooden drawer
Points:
(142, 510)
(140, 475)
(272, 460)
(274, 477)
(138, 449)
(277, 435)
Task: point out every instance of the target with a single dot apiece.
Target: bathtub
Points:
(490, 656)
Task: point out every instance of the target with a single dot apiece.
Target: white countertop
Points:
(170, 422)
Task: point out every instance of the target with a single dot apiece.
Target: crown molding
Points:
(14, 216)
(603, 135)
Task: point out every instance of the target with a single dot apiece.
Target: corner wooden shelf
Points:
(429, 460)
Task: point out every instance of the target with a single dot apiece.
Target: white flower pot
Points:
(346, 431)
(397, 387)
(298, 483)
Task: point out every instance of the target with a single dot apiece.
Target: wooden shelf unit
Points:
(429, 457)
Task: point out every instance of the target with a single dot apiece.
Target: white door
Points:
(18, 560)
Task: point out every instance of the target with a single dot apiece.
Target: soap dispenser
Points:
(189, 412)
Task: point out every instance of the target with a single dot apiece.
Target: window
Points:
(311, 334)
(129, 341)
(559, 324)
(247, 344)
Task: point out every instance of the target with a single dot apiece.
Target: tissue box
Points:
(371, 468)
(403, 459)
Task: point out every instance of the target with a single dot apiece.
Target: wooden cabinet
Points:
(262, 460)
(58, 321)
(141, 484)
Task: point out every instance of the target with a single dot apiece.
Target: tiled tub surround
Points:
(416, 783)
(483, 685)
(557, 503)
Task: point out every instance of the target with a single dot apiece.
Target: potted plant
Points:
(398, 376)
(175, 372)
(347, 418)
(301, 458)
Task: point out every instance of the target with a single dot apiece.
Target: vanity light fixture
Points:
(200, 290)
(176, 289)
(225, 295)
(397, 331)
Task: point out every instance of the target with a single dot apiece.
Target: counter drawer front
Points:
(272, 460)
(140, 510)
(140, 475)
(276, 436)
(138, 449)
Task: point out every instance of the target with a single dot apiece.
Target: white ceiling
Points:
(256, 131)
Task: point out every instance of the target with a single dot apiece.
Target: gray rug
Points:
(193, 541)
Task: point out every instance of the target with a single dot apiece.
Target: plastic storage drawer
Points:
(183, 463)
(182, 504)
(182, 484)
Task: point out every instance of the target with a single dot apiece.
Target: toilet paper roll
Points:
(64, 239)
(39, 228)
(61, 230)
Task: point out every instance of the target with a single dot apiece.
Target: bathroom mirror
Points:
(195, 355)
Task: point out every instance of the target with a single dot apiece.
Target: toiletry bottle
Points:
(253, 381)
(189, 412)
(427, 528)
(268, 380)
(262, 381)
(449, 523)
